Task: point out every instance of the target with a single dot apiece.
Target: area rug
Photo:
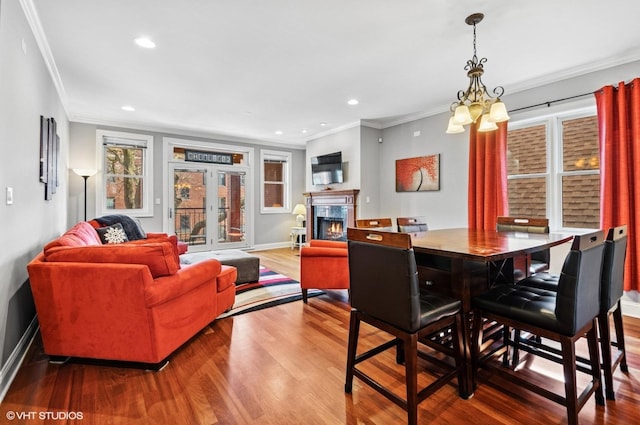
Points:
(272, 289)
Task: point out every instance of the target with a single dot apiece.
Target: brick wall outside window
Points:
(581, 193)
(579, 180)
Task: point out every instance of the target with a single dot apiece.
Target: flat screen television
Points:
(327, 169)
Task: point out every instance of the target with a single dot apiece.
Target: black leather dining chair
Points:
(564, 316)
(385, 293)
(611, 293)
(611, 289)
(384, 224)
(412, 224)
(538, 261)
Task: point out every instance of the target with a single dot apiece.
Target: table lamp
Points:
(301, 212)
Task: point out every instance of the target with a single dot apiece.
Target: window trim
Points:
(145, 140)
(286, 157)
(554, 167)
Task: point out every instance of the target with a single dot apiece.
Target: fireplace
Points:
(330, 213)
(330, 223)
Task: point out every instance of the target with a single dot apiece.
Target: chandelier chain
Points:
(474, 40)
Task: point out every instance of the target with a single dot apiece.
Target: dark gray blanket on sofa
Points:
(131, 225)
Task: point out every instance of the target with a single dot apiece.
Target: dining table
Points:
(462, 263)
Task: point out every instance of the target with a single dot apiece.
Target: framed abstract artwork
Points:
(44, 146)
(49, 156)
(419, 174)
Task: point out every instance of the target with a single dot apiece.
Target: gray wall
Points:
(270, 229)
(370, 149)
(446, 207)
(375, 170)
(26, 92)
(346, 141)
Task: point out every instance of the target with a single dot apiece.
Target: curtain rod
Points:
(548, 103)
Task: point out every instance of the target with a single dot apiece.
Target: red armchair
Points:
(323, 265)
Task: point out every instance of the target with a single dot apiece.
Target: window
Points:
(553, 168)
(126, 170)
(275, 177)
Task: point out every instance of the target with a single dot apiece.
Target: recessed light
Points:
(128, 108)
(279, 132)
(305, 131)
(353, 102)
(145, 42)
(323, 124)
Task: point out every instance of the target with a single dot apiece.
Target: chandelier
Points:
(476, 102)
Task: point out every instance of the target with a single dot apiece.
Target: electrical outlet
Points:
(9, 195)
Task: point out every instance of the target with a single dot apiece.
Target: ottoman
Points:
(248, 266)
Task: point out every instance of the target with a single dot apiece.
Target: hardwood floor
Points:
(283, 365)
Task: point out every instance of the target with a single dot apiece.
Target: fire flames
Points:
(334, 231)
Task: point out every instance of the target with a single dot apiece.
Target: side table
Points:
(297, 236)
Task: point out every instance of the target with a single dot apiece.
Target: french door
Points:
(207, 206)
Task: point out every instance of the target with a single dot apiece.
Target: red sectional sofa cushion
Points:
(227, 277)
(168, 288)
(82, 234)
(158, 256)
(160, 237)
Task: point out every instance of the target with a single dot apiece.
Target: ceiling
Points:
(246, 69)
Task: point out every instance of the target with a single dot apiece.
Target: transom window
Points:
(553, 168)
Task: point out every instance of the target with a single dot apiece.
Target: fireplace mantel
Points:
(330, 198)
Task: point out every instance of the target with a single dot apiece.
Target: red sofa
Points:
(131, 301)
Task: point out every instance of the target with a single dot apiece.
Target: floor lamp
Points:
(85, 174)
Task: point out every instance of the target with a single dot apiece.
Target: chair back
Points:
(522, 224)
(412, 224)
(615, 251)
(578, 299)
(383, 277)
(526, 225)
(384, 224)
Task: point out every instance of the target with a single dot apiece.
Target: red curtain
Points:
(487, 196)
(619, 132)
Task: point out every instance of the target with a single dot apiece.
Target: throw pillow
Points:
(132, 226)
(112, 234)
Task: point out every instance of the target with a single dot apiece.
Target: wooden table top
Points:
(484, 245)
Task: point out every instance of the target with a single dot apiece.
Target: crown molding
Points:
(335, 130)
(31, 14)
(372, 124)
(182, 132)
(559, 76)
(577, 71)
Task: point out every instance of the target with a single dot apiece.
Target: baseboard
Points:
(11, 367)
(630, 308)
(264, 247)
